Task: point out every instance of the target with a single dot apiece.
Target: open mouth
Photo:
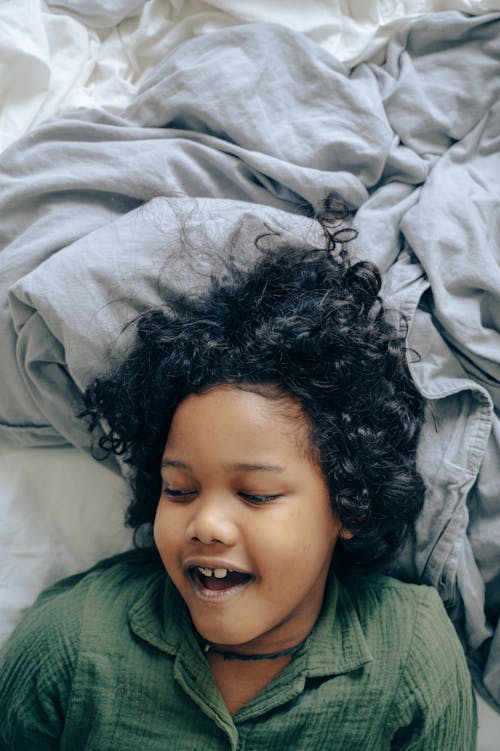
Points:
(217, 579)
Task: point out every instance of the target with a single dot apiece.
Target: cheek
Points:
(164, 529)
(317, 534)
(168, 539)
(299, 538)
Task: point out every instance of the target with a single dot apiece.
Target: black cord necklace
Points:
(235, 656)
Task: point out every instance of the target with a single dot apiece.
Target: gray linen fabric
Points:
(236, 134)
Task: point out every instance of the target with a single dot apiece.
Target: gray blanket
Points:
(248, 129)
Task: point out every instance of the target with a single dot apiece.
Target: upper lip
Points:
(214, 563)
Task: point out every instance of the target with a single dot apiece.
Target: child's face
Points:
(241, 494)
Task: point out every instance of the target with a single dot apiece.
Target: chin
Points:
(221, 636)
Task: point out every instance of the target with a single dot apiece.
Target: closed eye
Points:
(177, 493)
(258, 499)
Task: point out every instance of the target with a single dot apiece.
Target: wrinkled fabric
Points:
(53, 522)
(124, 625)
(56, 55)
(236, 132)
(98, 13)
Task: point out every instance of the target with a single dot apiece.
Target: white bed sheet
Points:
(59, 510)
(58, 55)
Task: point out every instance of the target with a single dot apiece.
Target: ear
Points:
(345, 534)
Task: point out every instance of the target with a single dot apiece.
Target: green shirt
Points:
(109, 661)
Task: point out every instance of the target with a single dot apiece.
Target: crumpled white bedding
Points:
(59, 511)
(63, 54)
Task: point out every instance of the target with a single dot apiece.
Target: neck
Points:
(228, 655)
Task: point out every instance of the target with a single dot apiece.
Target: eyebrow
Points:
(254, 467)
(247, 467)
(174, 463)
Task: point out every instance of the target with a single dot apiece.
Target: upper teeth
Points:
(219, 573)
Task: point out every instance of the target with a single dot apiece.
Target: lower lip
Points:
(216, 595)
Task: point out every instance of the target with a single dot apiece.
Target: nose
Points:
(212, 522)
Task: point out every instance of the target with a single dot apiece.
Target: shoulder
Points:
(38, 663)
(378, 596)
(55, 619)
(122, 577)
(96, 603)
(408, 618)
(410, 633)
(111, 585)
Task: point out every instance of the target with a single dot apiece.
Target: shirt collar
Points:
(157, 615)
(336, 645)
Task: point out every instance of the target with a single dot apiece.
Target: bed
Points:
(131, 130)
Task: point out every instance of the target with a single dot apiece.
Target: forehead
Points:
(234, 416)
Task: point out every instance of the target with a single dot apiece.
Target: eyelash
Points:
(257, 500)
(177, 493)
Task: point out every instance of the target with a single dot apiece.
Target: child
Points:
(271, 425)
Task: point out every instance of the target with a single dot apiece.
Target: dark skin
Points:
(245, 530)
(241, 681)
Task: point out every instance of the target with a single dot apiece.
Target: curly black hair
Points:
(306, 324)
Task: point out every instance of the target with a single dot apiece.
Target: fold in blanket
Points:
(243, 132)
